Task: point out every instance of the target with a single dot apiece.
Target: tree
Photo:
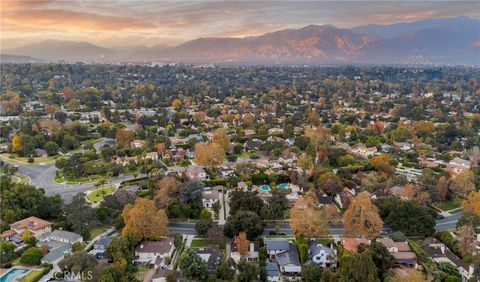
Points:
(475, 155)
(51, 148)
(442, 188)
(242, 243)
(277, 205)
(209, 154)
(380, 255)
(466, 240)
(248, 272)
(246, 221)
(428, 182)
(78, 262)
(176, 104)
(193, 266)
(311, 272)
(329, 183)
(7, 252)
(31, 256)
(80, 216)
(357, 268)
(124, 137)
(472, 203)
(305, 162)
(245, 201)
(221, 137)
(406, 216)
(362, 218)
(463, 183)
(332, 214)
(307, 222)
(248, 119)
(144, 221)
(191, 191)
(17, 143)
(203, 225)
(412, 276)
(223, 272)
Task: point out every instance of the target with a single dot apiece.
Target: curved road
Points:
(43, 177)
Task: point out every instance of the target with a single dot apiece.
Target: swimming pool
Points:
(265, 188)
(283, 186)
(12, 274)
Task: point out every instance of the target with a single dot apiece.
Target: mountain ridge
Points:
(435, 41)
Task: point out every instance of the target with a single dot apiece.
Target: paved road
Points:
(43, 177)
(189, 228)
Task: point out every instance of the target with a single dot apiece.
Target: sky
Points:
(120, 23)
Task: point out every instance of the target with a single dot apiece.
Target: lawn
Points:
(140, 273)
(97, 231)
(20, 178)
(450, 205)
(59, 178)
(98, 194)
(33, 275)
(200, 243)
(16, 160)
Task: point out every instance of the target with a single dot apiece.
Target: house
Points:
(40, 152)
(321, 255)
(275, 246)
(35, 226)
(351, 244)
(404, 146)
(152, 156)
(254, 144)
(137, 143)
(154, 252)
(209, 197)
(400, 251)
(59, 244)
(100, 246)
(225, 172)
(252, 253)
(211, 255)
(273, 275)
(364, 151)
(289, 262)
(441, 253)
(197, 172)
(458, 165)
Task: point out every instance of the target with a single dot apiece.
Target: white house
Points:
(154, 252)
(197, 172)
(209, 197)
(458, 165)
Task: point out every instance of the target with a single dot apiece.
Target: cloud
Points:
(178, 21)
(57, 19)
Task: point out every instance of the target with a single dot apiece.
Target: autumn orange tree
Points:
(17, 143)
(472, 203)
(144, 221)
(167, 188)
(463, 183)
(362, 218)
(221, 137)
(124, 137)
(209, 154)
(242, 243)
(306, 221)
(466, 240)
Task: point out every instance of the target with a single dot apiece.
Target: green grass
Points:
(16, 160)
(20, 178)
(450, 205)
(97, 231)
(140, 273)
(79, 180)
(200, 243)
(33, 275)
(98, 194)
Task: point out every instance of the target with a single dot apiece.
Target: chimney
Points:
(471, 269)
(252, 247)
(442, 248)
(141, 246)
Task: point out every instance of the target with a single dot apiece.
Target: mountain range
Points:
(434, 41)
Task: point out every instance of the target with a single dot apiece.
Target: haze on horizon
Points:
(122, 23)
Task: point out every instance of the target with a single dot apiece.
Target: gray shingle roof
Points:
(276, 244)
(290, 257)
